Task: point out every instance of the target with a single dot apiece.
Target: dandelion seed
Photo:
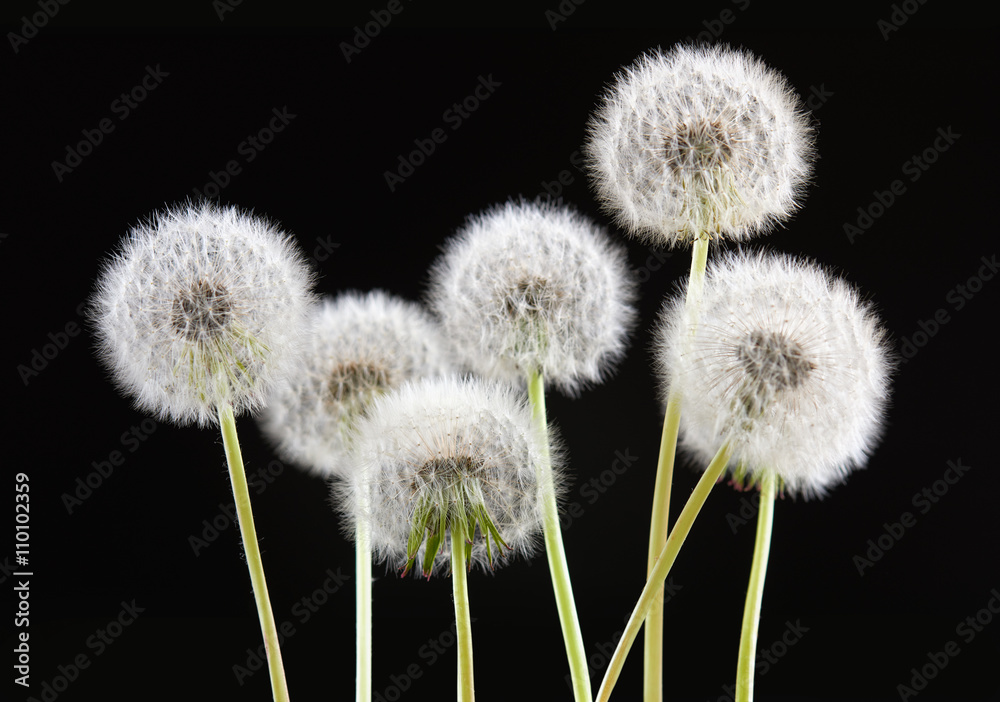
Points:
(359, 348)
(202, 306)
(786, 363)
(534, 288)
(699, 141)
(441, 452)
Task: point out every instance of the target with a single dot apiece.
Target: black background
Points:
(323, 179)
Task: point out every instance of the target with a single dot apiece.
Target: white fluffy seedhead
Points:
(359, 347)
(699, 141)
(201, 306)
(786, 363)
(439, 450)
(531, 287)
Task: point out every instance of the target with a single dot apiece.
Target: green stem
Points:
(463, 618)
(659, 517)
(653, 651)
(244, 515)
(755, 590)
(363, 613)
(558, 568)
(661, 569)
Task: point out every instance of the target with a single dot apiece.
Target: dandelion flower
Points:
(786, 363)
(197, 316)
(527, 288)
(202, 306)
(444, 454)
(699, 141)
(360, 346)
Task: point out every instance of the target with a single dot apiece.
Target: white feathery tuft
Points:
(453, 443)
(360, 346)
(699, 141)
(534, 287)
(786, 363)
(201, 306)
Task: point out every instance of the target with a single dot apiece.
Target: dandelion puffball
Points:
(442, 450)
(699, 141)
(527, 288)
(200, 307)
(359, 347)
(785, 362)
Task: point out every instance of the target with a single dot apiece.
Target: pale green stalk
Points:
(654, 584)
(363, 613)
(244, 515)
(558, 568)
(755, 590)
(463, 617)
(658, 521)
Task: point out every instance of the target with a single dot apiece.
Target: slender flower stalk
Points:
(244, 515)
(558, 567)
(363, 615)
(660, 513)
(654, 584)
(755, 590)
(463, 614)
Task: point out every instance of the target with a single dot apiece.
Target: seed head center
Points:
(695, 148)
(357, 380)
(532, 295)
(448, 471)
(202, 312)
(772, 361)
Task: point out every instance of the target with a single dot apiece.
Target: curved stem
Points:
(653, 650)
(658, 521)
(662, 568)
(244, 515)
(363, 614)
(755, 590)
(558, 568)
(463, 618)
